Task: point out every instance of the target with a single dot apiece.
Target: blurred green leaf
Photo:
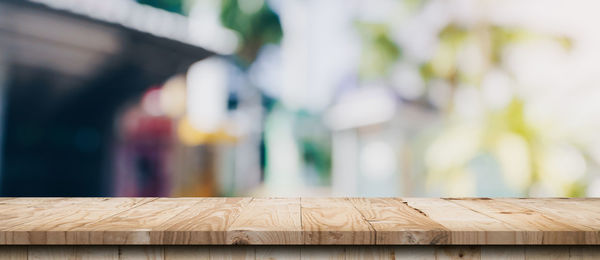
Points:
(379, 51)
(255, 29)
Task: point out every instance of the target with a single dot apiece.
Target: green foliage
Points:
(379, 51)
(426, 72)
(314, 144)
(414, 5)
(255, 29)
(504, 36)
(493, 41)
(576, 190)
(453, 35)
(514, 116)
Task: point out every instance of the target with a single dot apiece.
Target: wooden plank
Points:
(13, 252)
(395, 222)
(458, 252)
(323, 253)
(187, 252)
(137, 226)
(51, 252)
(310, 221)
(19, 211)
(141, 253)
(278, 252)
(503, 252)
(304, 252)
(576, 213)
(467, 226)
(232, 253)
(335, 222)
(533, 227)
(97, 252)
(408, 252)
(48, 223)
(584, 252)
(205, 223)
(369, 252)
(36, 205)
(546, 253)
(63, 252)
(583, 216)
(267, 221)
(30, 200)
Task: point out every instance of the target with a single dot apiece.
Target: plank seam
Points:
(240, 213)
(415, 209)
(541, 214)
(550, 216)
(482, 213)
(242, 209)
(365, 219)
(301, 225)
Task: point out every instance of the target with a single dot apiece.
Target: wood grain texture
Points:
(51, 252)
(503, 252)
(232, 253)
(546, 253)
(395, 222)
(186, 252)
(467, 226)
(49, 222)
(323, 253)
(334, 222)
(205, 223)
(278, 252)
(96, 252)
(141, 253)
(532, 226)
(584, 252)
(298, 221)
(365, 253)
(413, 252)
(137, 226)
(13, 252)
(456, 253)
(267, 221)
(566, 211)
(18, 211)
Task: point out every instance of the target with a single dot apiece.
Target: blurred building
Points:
(67, 69)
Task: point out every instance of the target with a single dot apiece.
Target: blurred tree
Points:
(379, 52)
(255, 23)
(483, 44)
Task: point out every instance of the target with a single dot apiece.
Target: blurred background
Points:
(299, 98)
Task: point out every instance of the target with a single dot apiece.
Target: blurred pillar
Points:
(283, 169)
(319, 51)
(344, 176)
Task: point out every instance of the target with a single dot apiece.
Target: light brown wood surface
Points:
(159, 252)
(298, 221)
(334, 221)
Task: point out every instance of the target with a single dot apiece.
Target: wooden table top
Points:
(298, 221)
